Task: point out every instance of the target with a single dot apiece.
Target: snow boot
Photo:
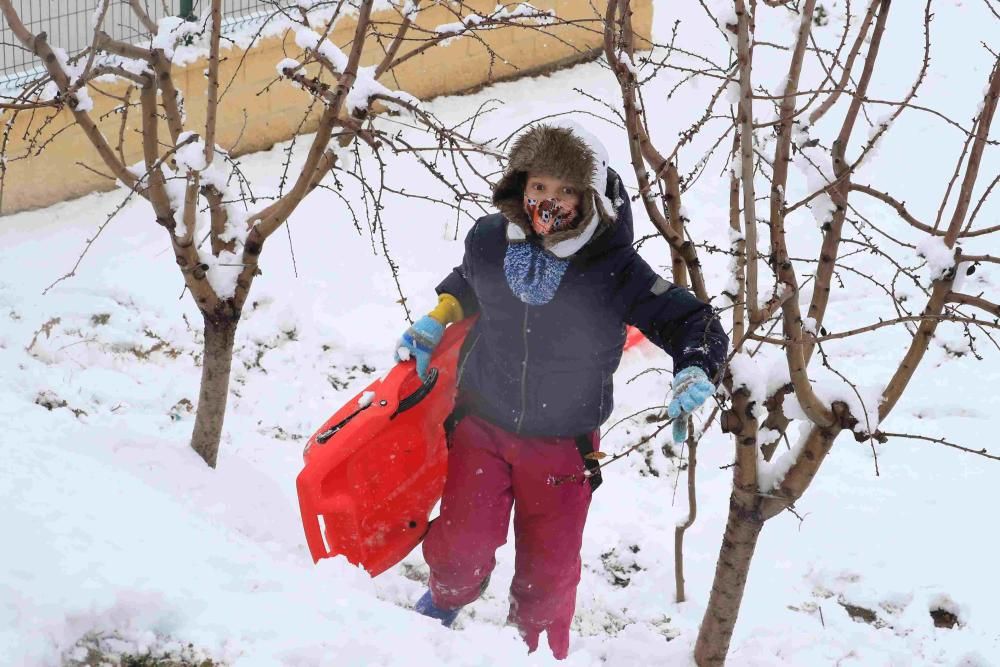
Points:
(425, 606)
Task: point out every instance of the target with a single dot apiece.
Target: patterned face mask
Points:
(550, 215)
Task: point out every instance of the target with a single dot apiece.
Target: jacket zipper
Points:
(524, 373)
(465, 359)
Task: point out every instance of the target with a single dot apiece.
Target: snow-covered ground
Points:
(116, 536)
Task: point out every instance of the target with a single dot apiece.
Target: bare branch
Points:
(318, 162)
(102, 10)
(942, 287)
(104, 42)
(169, 95)
(899, 206)
(875, 327)
(983, 124)
(397, 41)
(979, 205)
(842, 173)
(978, 302)
(156, 188)
(140, 13)
(825, 106)
(991, 259)
(485, 22)
(212, 106)
(817, 445)
(30, 106)
(906, 104)
(744, 55)
(941, 441)
(90, 242)
(740, 259)
(104, 70)
(681, 528)
(38, 45)
(642, 151)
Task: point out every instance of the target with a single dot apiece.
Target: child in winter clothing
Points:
(554, 279)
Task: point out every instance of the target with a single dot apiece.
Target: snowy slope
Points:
(116, 531)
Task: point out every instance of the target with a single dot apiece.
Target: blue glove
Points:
(691, 388)
(419, 341)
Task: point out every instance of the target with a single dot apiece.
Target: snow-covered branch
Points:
(501, 16)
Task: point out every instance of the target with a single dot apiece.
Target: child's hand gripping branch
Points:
(424, 335)
(691, 389)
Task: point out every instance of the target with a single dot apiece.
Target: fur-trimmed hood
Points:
(566, 151)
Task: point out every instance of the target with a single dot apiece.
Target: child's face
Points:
(551, 203)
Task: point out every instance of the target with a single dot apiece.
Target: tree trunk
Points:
(216, 363)
(738, 544)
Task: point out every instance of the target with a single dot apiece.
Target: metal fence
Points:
(69, 25)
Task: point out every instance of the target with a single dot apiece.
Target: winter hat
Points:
(565, 151)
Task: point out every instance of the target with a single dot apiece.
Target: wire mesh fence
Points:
(69, 25)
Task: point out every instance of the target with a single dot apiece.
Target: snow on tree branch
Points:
(501, 16)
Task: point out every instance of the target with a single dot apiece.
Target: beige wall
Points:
(251, 120)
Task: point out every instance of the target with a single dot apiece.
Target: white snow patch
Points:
(83, 101)
(366, 399)
(223, 271)
(762, 375)
(733, 92)
(521, 10)
(170, 30)
(191, 153)
(289, 67)
(308, 39)
(771, 473)
(939, 258)
(366, 86)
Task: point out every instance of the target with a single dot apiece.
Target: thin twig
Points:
(941, 441)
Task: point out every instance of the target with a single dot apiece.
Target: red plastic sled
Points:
(376, 468)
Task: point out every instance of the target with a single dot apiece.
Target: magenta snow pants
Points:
(489, 471)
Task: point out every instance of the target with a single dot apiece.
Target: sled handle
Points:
(418, 395)
(321, 438)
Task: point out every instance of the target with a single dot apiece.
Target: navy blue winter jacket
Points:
(547, 370)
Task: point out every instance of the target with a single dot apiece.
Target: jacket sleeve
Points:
(674, 319)
(458, 283)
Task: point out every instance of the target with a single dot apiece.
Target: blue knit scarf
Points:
(533, 274)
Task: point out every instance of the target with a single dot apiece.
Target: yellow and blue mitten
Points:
(424, 335)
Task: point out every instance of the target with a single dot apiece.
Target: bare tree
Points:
(195, 190)
(766, 286)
